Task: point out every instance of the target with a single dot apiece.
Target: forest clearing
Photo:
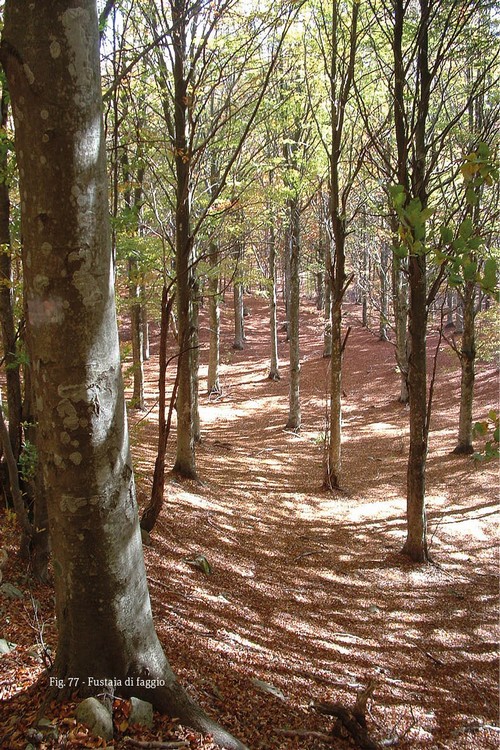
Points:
(309, 598)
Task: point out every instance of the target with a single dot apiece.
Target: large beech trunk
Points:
(103, 610)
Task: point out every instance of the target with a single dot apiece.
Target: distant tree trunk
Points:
(104, 619)
(320, 272)
(287, 283)
(294, 416)
(383, 276)
(449, 308)
(137, 401)
(133, 200)
(467, 360)
(400, 308)
(327, 336)
(155, 505)
(197, 300)
(12, 374)
(239, 328)
(213, 384)
(365, 284)
(144, 323)
(274, 373)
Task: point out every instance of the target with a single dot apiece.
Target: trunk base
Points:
(417, 553)
(463, 450)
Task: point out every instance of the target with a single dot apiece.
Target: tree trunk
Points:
(213, 383)
(400, 308)
(383, 275)
(144, 323)
(155, 505)
(416, 542)
(104, 619)
(294, 416)
(12, 374)
(327, 336)
(467, 360)
(239, 330)
(185, 462)
(274, 373)
(136, 332)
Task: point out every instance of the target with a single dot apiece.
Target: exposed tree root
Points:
(352, 720)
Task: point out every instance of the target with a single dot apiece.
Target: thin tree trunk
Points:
(12, 373)
(400, 309)
(136, 333)
(327, 336)
(213, 383)
(384, 307)
(294, 416)
(144, 323)
(239, 330)
(185, 461)
(155, 505)
(467, 360)
(274, 373)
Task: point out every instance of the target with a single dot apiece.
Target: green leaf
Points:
(446, 235)
(480, 429)
(483, 150)
(489, 279)
(470, 270)
(466, 228)
(471, 196)
(400, 251)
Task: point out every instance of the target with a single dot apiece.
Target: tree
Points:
(338, 40)
(103, 611)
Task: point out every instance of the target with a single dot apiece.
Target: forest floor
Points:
(309, 598)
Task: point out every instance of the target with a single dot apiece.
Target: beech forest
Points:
(249, 357)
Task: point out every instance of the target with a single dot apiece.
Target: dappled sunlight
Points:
(308, 591)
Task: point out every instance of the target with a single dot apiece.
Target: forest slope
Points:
(309, 598)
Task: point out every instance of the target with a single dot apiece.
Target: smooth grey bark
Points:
(103, 610)
(384, 291)
(294, 415)
(134, 290)
(213, 383)
(144, 323)
(274, 373)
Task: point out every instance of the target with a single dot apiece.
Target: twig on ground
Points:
(431, 657)
(305, 733)
(307, 554)
(154, 745)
